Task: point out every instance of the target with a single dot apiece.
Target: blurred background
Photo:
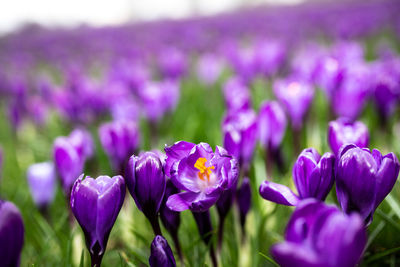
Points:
(89, 71)
(15, 14)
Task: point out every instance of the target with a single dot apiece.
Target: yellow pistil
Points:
(203, 170)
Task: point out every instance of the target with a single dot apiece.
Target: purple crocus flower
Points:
(313, 176)
(146, 181)
(201, 173)
(161, 253)
(330, 75)
(296, 97)
(364, 178)
(314, 237)
(96, 204)
(11, 234)
(236, 94)
(119, 139)
(68, 162)
(42, 181)
(271, 124)
(240, 135)
(343, 132)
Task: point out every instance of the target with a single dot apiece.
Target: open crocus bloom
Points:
(321, 235)
(202, 174)
(313, 176)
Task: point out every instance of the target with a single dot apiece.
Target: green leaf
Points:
(269, 259)
(382, 254)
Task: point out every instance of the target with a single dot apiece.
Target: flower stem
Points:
(177, 244)
(155, 225)
(96, 260)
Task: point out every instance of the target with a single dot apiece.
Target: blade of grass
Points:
(269, 259)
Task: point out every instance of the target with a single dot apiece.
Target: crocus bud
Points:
(96, 204)
(42, 180)
(314, 237)
(271, 124)
(119, 139)
(68, 162)
(364, 179)
(343, 132)
(296, 97)
(240, 135)
(146, 181)
(11, 234)
(243, 198)
(313, 176)
(161, 253)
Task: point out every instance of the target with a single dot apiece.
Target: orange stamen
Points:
(203, 170)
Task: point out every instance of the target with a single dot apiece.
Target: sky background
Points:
(15, 13)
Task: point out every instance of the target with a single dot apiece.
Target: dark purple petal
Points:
(175, 153)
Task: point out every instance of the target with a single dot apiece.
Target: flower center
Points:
(204, 172)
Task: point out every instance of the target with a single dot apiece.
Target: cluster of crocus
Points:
(11, 234)
(70, 154)
(313, 176)
(96, 204)
(321, 235)
(120, 139)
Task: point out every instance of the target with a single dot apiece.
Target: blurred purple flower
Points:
(96, 204)
(343, 132)
(364, 179)
(11, 234)
(314, 237)
(269, 56)
(236, 94)
(158, 98)
(172, 63)
(68, 162)
(243, 198)
(296, 97)
(313, 176)
(120, 139)
(271, 124)
(209, 68)
(201, 173)
(240, 135)
(42, 181)
(349, 99)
